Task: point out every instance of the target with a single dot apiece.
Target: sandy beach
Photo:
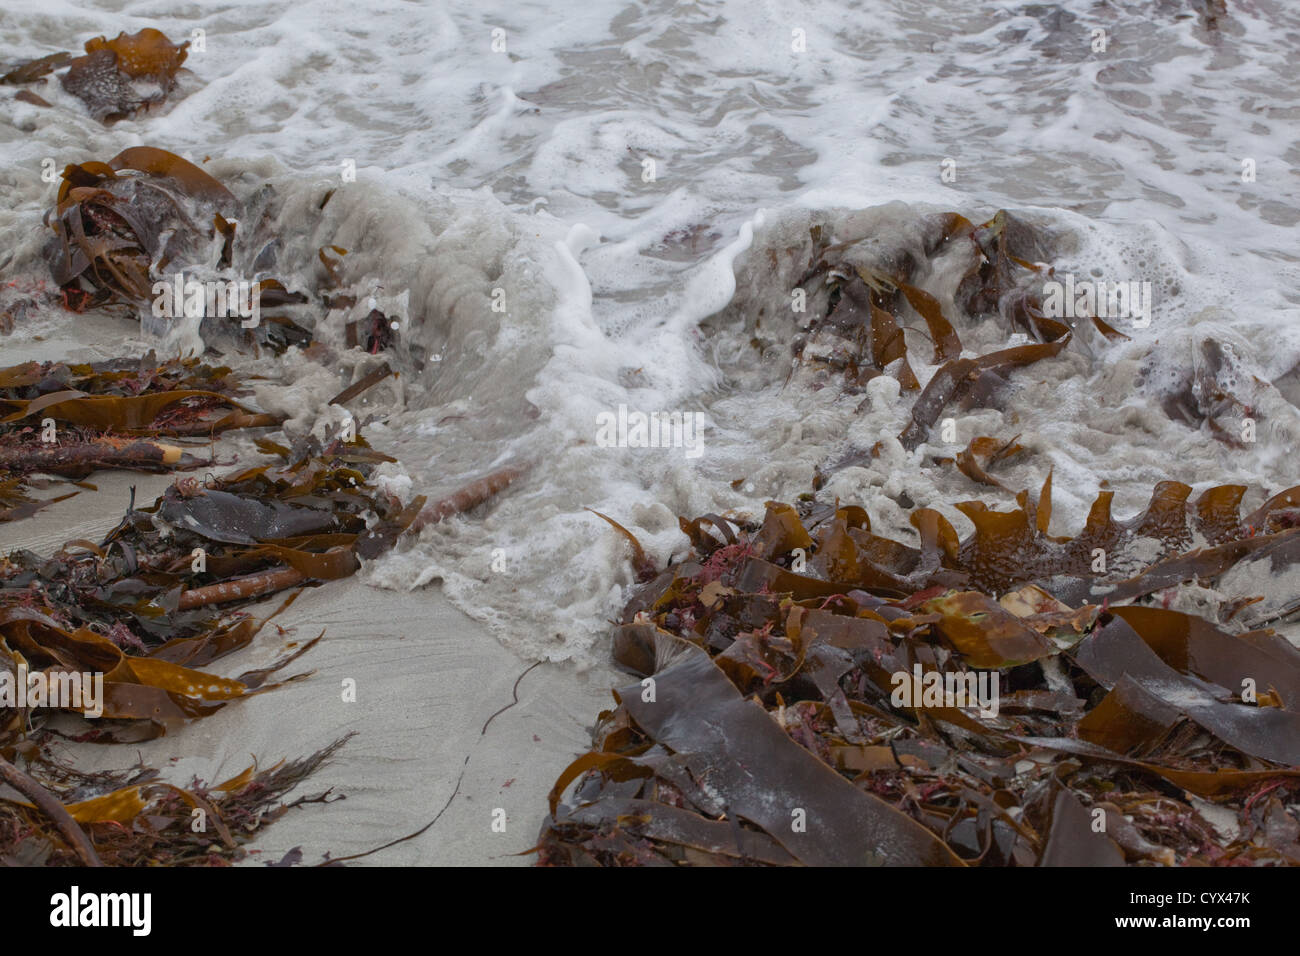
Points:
(655, 313)
(428, 677)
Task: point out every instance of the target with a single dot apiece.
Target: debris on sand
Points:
(147, 610)
(69, 420)
(809, 692)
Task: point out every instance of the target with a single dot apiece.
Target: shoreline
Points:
(428, 677)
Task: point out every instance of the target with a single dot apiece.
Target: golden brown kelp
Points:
(861, 331)
(115, 78)
(809, 692)
(115, 221)
(148, 213)
(149, 608)
(73, 419)
(142, 821)
(306, 514)
(865, 295)
(979, 456)
(34, 71)
(106, 78)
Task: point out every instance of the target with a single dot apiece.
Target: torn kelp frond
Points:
(810, 692)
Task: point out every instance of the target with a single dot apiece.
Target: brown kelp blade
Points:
(104, 78)
(71, 420)
(939, 704)
(33, 70)
(699, 714)
(147, 215)
(150, 609)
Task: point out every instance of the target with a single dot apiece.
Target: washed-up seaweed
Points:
(141, 820)
(70, 420)
(1203, 391)
(116, 78)
(115, 220)
(171, 571)
(870, 298)
(109, 77)
(148, 216)
(808, 692)
(980, 455)
(35, 71)
(150, 607)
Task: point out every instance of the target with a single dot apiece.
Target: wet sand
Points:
(427, 680)
(427, 677)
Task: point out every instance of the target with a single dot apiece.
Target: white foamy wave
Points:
(637, 178)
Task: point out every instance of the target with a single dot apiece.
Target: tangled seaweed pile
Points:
(813, 693)
(148, 212)
(115, 79)
(953, 310)
(860, 296)
(148, 607)
(159, 599)
(69, 420)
